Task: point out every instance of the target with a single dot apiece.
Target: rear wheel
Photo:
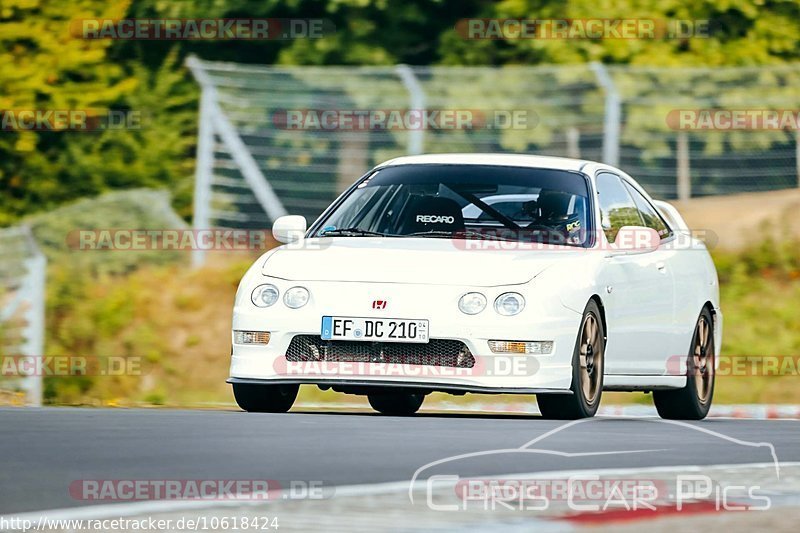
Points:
(396, 403)
(693, 401)
(587, 373)
(255, 398)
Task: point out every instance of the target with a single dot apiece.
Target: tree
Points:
(745, 32)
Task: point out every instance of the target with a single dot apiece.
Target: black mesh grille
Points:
(437, 352)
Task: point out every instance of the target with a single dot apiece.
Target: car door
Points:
(638, 296)
(674, 262)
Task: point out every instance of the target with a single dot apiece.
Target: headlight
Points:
(472, 303)
(264, 295)
(509, 303)
(296, 297)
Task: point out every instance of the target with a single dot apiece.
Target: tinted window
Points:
(648, 213)
(617, 208)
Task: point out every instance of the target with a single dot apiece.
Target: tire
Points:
(693, 401)
(265, 398)
(396, 403)
(587, 372)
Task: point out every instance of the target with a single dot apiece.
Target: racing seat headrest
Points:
(553, 205)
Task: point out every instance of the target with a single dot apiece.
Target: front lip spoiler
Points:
(399, 384)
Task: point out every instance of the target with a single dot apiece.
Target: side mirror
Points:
(289, 228)
(636, 239)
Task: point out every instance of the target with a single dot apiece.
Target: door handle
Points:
(662, 267)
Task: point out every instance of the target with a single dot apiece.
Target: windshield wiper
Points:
(351, 232)
(431, 233)
(456, 235)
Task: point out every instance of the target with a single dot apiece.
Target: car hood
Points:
(409, 260)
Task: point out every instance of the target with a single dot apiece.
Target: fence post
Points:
(416, 137)
(612, 114)
(684, 185)
(34, 315)
(573, 142)
(203, 171)
(797, 154)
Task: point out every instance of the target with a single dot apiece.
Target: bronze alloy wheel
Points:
(703, 360)
(591, 358)
(587, 372)
(693, 401)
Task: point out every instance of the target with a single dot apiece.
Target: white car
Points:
(410, 283)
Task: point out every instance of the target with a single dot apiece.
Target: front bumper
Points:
(491, 373)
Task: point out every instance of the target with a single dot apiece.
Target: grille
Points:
(437, 352)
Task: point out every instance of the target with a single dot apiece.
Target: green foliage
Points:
(157, 154)
(43, 67)
(98, 318)
(58, 231)
(770, 259)
(173, 322)
(760, 295)
(744, 32)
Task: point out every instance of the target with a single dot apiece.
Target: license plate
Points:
(374, 329)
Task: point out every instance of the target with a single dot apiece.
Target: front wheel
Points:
(693, 401)
(396, 403)
(587, 373)
(255, 398)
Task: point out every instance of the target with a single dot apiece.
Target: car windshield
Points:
(465, 201)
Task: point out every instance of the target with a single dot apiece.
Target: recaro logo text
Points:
(427, 219)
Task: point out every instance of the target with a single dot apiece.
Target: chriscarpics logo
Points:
(435, 219)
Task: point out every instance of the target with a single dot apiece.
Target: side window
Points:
(648, 213)
(616, 205)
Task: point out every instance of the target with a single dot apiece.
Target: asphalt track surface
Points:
(44, 450)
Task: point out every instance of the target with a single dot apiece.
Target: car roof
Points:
(511, 160)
